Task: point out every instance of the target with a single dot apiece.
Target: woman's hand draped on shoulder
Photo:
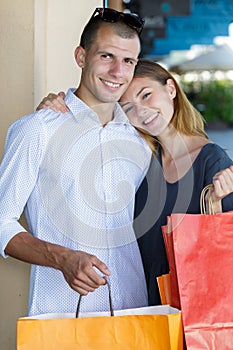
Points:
(55, 102)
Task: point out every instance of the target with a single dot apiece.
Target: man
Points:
(76, 176)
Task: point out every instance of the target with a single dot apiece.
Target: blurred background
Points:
(192, 38)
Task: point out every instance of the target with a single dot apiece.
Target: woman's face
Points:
(149, 105)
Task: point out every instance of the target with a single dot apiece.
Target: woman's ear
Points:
(171, 88)
(79, 55)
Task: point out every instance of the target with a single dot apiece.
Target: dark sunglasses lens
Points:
(134, 21)
(110, 15)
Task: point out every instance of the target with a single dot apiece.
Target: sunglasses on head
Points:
(111, 15)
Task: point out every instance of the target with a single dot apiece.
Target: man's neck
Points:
(104, 110)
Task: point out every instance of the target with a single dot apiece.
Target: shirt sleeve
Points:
(18, 174)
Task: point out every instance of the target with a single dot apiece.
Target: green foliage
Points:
(214, 99)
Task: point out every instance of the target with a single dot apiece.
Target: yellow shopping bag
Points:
(154, 327)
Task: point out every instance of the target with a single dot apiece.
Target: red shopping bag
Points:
(168, 241)
(203, 255)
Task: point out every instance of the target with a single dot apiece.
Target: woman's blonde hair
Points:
(186, 118)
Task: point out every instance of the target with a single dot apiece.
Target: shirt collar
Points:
(79, 109)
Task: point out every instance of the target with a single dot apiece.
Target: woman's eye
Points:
(145, 96)
(127, 108)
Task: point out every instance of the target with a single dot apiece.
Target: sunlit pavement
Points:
(223, 138)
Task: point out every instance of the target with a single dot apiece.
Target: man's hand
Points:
(54, 102)
(78, 270)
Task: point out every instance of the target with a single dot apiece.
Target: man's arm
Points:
(18, 176)
(76, 266)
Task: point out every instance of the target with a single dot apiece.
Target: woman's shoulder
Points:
(211, 153)
(213, 149)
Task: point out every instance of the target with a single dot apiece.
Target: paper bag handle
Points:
(204, 192)
(110, 301)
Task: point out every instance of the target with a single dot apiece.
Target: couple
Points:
(76, 175)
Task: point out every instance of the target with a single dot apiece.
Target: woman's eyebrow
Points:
(140, 91)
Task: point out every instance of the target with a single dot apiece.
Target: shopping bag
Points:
(168, 242)
(203, 251)
(154, 327)
(164, 284)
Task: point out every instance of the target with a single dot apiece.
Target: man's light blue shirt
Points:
(76, 181)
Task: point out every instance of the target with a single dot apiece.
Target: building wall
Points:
(16, 98)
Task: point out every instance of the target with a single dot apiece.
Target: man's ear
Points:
(79, 55)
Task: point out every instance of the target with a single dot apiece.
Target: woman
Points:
(185, 161)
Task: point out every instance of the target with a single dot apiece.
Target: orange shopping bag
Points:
(164, 284)
(147, 328)
(203, 250)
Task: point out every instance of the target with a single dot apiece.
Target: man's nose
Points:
(117, 68)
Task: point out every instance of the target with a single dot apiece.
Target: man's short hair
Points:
(90, 31)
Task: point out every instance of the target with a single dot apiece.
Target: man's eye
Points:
(106, 56)
(130, 61)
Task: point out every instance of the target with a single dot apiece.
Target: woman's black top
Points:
(156, 199)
